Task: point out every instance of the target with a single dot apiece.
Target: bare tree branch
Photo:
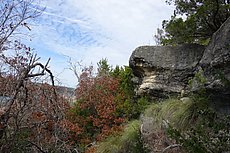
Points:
(74, 66)
(171, 147)
(13, 15)
(39, 148)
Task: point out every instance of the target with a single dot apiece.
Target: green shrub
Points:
(198, 82)
(128, 106)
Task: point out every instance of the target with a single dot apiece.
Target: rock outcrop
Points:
(216, 59)
(163, 70)
(216, 65)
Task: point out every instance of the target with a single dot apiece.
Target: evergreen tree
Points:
(193, 21)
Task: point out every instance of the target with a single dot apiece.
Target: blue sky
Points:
(89, 30)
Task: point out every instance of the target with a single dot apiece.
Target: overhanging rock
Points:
(163, 70)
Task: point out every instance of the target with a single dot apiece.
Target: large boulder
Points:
(164, 70)
(216, 59)
(216, 66)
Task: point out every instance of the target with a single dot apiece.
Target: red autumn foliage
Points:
(95, 110)
(32, 114)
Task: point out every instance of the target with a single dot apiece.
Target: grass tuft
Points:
(179, 114)
(127, 141)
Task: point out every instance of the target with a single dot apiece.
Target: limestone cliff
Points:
(163, 70)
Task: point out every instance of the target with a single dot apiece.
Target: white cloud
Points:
(89, 30)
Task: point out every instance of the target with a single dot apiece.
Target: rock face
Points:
(162, 70)
(217, 52)
(216, 59)
(216, 65)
